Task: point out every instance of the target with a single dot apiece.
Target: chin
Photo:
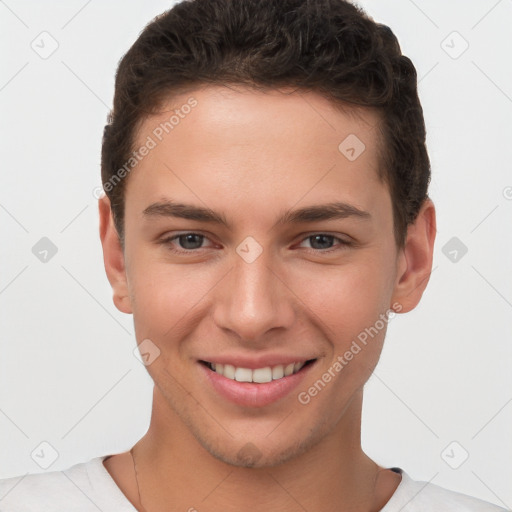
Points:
(257, 454)
(253, 447)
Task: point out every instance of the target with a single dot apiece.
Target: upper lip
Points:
(253, 363)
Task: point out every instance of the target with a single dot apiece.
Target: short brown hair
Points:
(326, 46)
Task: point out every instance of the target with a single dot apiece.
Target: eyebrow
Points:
(315, 213)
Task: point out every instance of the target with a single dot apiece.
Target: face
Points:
(256, 246)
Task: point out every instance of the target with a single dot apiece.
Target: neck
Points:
(175, 471)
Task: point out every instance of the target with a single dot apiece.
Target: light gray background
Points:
(67, 372)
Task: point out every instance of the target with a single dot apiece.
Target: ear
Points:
(415, 259)
(113, 257)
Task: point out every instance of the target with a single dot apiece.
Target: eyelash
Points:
(342, 243)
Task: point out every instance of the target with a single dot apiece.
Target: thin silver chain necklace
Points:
(137, 478)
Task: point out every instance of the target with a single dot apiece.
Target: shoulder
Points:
(416, 496)
(78, 488)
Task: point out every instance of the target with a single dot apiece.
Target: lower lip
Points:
(250, 394)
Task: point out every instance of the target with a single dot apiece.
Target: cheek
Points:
(349, 306)
(347, 298)
(165, 297)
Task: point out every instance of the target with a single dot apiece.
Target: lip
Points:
(250, 394)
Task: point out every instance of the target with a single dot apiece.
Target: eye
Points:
(189, 242)
(323, 242)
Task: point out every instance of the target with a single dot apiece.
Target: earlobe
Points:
(415, 259)
(113, 257)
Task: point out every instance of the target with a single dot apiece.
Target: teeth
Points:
(259, 375)
(289, 369)
(297, 367)
(262, 375)
(243, 375)
(229, 371)
(278, 372)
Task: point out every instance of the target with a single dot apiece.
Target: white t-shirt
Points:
(88, 487)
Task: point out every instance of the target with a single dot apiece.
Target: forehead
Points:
(251, 146)
(302, 114)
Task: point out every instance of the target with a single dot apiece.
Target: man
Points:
(266, 205)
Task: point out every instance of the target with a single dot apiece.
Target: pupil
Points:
(326, 239)
(187, 241)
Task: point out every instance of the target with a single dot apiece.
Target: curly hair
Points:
(330, 47)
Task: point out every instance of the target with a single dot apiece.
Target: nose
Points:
(254, 299)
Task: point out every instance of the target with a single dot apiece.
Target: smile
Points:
(257, 375)
(252, 383)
